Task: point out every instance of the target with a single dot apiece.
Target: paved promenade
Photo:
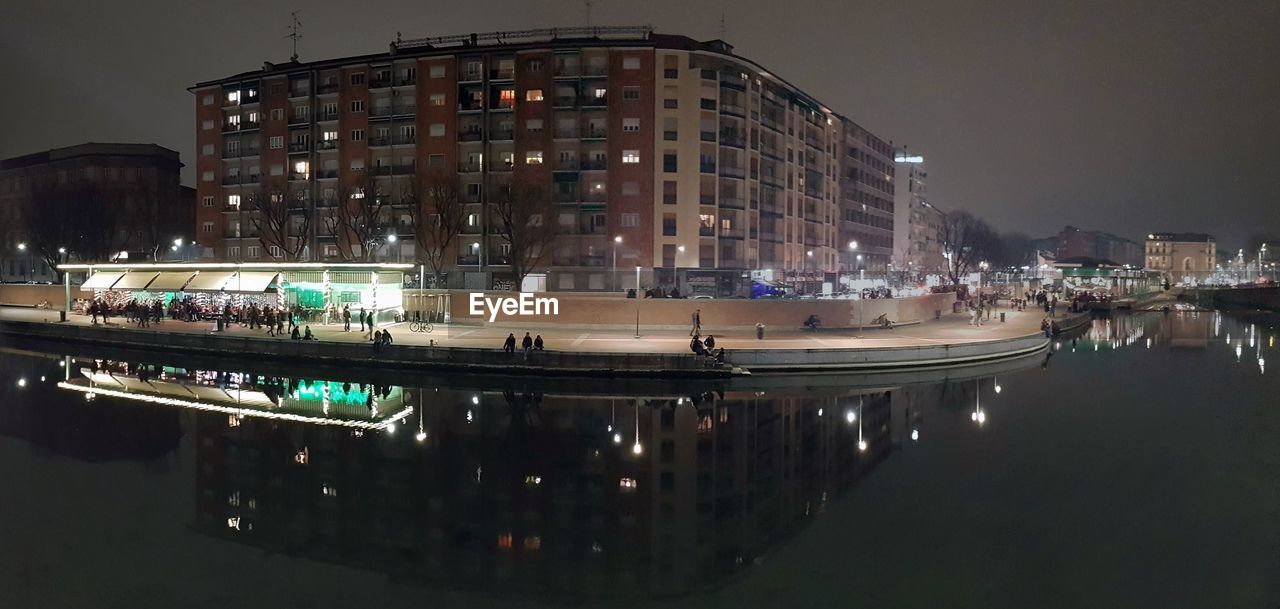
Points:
(951, 329)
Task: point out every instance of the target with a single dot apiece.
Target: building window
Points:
(631, 125)
(437, 99)
(330, 250)
(436, 71)
(207, 100)
(671, 73)
(436, 130)
(533, 157)
(276, 142)
(206, 176)
(669, 192)
(668, 225)
(207, 227)
(207, 149)
(357, 79)
(233, 200)
(357, 105)
(277, 114)
(533, 125)
(208, 201)
(669, 161)
(233, 97)
(206, 125)
(631, 93)
(631, 62)
(671, 103)
(630, 157)
(630, 189)
(233, 252)
(535, 65)
(630, 220)
(357, 135)
(533, 95)
(252, 251)
(274, 251)
(507, 98)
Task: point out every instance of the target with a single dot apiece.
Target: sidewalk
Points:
(951, 329)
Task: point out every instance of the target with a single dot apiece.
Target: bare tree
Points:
(281, 220)
(525, 219)
(48, 223)
(436, 211)
(966, 240)
(360, 218)
(155, 217)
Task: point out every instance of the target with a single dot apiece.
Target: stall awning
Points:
(209, 281)
(250, 281)
(171, 281)
(135, 280)
(102, 280)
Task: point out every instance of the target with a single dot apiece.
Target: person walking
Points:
(696, 323)
(510, 344)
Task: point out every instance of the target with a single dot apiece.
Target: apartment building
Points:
(917, 225)
(122, 197)
(658, 152)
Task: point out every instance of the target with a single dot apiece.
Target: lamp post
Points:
(617, 241)
(853, 247)
(675, 263)
(391, 241)
(26, 262)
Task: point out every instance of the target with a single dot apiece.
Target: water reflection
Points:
(528, 488)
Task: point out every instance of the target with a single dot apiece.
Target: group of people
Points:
(706, 347)
(1043, 300)
(527, 344)
(657, 292)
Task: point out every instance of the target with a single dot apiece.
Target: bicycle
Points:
(421, 326)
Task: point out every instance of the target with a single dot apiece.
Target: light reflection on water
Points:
(519, 488)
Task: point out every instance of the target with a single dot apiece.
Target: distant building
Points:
(123, 174)
(1075, 242)
(1181, 253)
(917, 225)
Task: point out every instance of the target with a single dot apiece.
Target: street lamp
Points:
(616, 242)
(675, 263)
(26, 262)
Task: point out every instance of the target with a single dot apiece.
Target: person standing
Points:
(346, 318)
(696, 323)
(362, 320)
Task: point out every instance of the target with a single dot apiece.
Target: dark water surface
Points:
(1137, 466)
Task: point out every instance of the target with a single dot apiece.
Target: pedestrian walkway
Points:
(951, 329)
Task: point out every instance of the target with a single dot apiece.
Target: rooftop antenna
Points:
(294, 29)
(722, 34)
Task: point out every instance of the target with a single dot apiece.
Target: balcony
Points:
(406, 140)
(502, 166)
(707, 167)
(248, 125)
(327, 89)
(565, 101)
(381, 111)
(470, 106)
(732, 202)
(299, 92)
(707, 136)
(380, 83)
(504, 105)
(502, 74)
(327, 174)
(566, 165)
(733, 110)
(470, 76)
(407, 81)
(327, 145)
(595, 196)
(733, 138)
(595, 164)
(731, 172)
(732, 233)
(566, 134)
(568, 69)
(296, 119)
(379, 142)
(501, 135)
(572, 196)
(593, 132)
(707, 199)
(470, 135)
(469, 167)
(299, 177)
(468, 260)
(327, 116)
(595, 101)
(596, 70)
(239, 179)
(733, 83)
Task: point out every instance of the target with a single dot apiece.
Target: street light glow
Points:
(617, 239)
(22, 247)
(391, 238)
(853, 245)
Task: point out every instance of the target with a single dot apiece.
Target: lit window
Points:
(533, 542)
(301, 167)
(533, 95)
(630, 156)
(233, 96)
(599, 93)
(533, 157)
(504, 540)
(252, 251)
(506, 98)
(627, 484)
(328, 491)
(437, 99)
(233, 200)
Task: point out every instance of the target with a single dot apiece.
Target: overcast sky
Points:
(1128, 116)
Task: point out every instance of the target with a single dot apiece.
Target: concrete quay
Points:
(570, 351)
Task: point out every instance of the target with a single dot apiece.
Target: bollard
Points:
(62, 316)
(1002, 317)
(759, 331)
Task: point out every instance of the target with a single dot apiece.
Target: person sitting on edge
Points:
(294, 335)
(510, 344)
(386, 337)
(813, 322)
(307, 335)
(537, 343)
(527, 342)
(695, 345)
(710, 343)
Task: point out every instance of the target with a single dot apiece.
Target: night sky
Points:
(1126, 116)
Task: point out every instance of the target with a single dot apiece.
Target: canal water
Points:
(1136, 465)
